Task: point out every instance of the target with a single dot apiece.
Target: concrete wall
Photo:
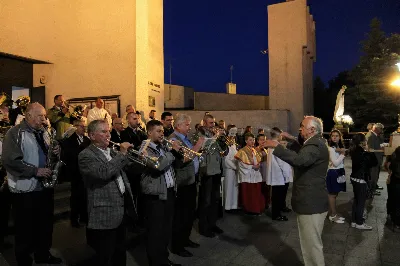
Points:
(178, 97)
(95, 47)
(291, 49)
(224, 102)
(255, 118)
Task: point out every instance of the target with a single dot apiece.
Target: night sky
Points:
(202, 39)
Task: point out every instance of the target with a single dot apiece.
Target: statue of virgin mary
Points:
(339, 108)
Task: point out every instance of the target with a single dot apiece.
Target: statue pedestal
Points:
(393, 143)
(341, 128)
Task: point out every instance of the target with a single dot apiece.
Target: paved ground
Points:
(261, 241)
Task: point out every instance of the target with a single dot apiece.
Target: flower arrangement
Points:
(347, 120)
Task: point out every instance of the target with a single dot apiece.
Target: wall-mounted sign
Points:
(152, 101)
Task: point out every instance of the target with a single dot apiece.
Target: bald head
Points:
(310, 126)
(35, 115)
(118, 125)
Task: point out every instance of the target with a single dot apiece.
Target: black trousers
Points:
(209, 202)
(109, 246)
(278, 200)
(360, 196)
(5, 207)
(286, 190)
(184, 215)
(159, 215)
(33, 222)
(78, 202)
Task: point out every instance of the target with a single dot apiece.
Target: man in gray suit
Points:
(108, 195)
(158, 185)
(309, 196)
(374, 141)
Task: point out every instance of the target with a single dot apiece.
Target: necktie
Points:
(39, 138)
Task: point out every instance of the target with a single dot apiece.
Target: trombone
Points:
(138, 157)
(187, 153)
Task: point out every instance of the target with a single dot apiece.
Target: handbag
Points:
(341, 179)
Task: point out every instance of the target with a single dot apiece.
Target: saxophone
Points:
(54, 162)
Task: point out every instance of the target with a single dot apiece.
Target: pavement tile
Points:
(333, 259)
(363, 252)
(224, 251)
(252, 256)
(350, 261)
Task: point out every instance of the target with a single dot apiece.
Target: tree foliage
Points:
(370, 97)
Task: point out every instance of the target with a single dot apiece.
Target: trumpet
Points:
(228, 140)
(187, 153)
(138, 157)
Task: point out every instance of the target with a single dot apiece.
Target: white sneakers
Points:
(336, 219)
(363, 226)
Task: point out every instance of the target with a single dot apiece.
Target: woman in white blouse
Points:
(335, 179)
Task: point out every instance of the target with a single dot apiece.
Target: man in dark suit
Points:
(374, 141)
(167, 120)
(133, 134)
(309, 197)
(72, 146)
(109, 195)
(118, 127)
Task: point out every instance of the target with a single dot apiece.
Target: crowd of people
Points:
(155, 174)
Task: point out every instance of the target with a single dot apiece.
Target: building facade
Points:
(291, 49)
(86, 49)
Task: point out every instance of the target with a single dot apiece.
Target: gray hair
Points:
(316, 123)
(181, 118)
(94, 125)
(378, 125)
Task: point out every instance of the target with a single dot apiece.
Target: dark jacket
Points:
(115, 137)
(70, 151)
(361, 163)
(134, 138)
(374, 142)
(184, 171)
(309, 195)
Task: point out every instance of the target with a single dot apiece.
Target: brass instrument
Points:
(53, 161)
(220, 140)
(187, 153)
(78, 111)
(138, 157)
(228, 140)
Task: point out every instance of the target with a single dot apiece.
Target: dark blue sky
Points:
(203, 38)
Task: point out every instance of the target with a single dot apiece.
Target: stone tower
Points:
(291, 49)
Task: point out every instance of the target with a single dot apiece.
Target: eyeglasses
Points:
(119, 123)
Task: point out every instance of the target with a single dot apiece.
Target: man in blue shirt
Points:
(185, 203)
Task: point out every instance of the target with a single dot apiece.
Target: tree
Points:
(372, 99)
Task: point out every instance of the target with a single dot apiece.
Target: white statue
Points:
(339, 108)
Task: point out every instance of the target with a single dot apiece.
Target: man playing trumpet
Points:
(59, 116)
(109, 196)
(185, 174)
(159, 187)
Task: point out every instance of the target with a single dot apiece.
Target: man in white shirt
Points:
(99, 113)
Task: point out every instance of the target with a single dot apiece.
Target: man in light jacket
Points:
(25, 152)
(309, 196)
